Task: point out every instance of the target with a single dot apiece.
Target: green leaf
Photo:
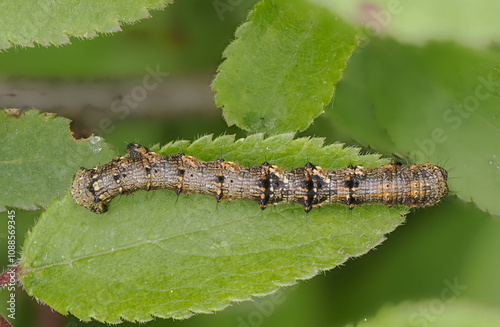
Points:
(159, 254)
(26, 23)
(38, 158)
(439, 312)
(472, 24)
(438, 103)
(282, 68)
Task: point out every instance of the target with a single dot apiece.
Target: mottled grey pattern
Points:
(311, 186)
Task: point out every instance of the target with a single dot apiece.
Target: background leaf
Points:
(418, 22)
(156, 254)
(435, 312)
(187, 37)
(26, 23)
(282, 68)
(38, 158)
(438, 103)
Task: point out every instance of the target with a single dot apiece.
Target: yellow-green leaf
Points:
(281, 70)
(157, 254)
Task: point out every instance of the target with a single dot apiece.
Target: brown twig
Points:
(4, 322)
(7, 276)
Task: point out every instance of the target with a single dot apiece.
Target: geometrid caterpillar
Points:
(311, 186)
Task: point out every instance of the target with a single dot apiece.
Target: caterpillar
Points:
(311, 186)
